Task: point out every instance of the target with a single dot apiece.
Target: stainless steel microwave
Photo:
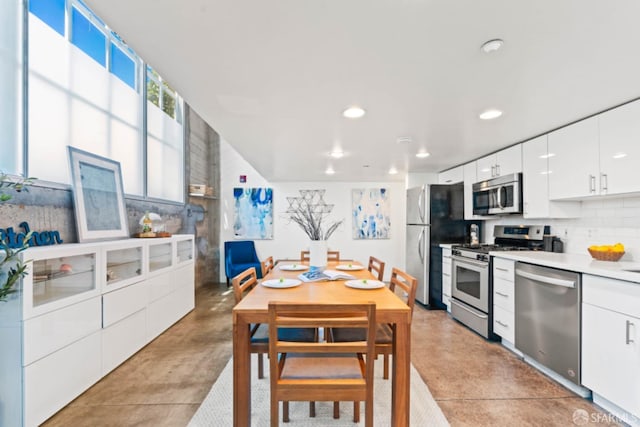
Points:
(498, 196)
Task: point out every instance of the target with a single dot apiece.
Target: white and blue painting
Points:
(371, 213)
(253, 208)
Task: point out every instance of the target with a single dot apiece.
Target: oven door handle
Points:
(469, 261)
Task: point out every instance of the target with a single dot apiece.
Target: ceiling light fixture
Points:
(546, 156)
(353, 112)
(619, 155)
(423, 154)
(492, 45)
(404, 140)
(393, 171)
(490, 114)
(337, 154)
(330, 171)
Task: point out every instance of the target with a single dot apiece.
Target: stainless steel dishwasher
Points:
(547, 310)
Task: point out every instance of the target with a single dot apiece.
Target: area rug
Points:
(217, 408)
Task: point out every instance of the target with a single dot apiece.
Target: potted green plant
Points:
(11, 266)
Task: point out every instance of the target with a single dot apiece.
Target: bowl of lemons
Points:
(606, 252)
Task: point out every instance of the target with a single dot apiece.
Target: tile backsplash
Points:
(601, 222)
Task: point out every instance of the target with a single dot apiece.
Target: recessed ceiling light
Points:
(329, 171)
(492, 45)
(490, 114)
(404, 140)
(423, 154)
(619, 155)
(337, 154)
(546, 156)
(353, 112)
(393, 171)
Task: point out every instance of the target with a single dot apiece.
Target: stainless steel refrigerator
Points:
(435, 215)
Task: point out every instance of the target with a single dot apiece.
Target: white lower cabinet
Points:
(611, 345)
(54, 381)
(83, 310)
(446, 278)
(504, 300)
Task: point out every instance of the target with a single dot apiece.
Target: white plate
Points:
(362, 284)
(284, 283)
(293, 267)
(350, 267)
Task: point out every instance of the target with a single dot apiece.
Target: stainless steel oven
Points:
(470, 282)
(497, 196)
(470, 290)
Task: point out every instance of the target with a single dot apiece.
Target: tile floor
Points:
(475, 382)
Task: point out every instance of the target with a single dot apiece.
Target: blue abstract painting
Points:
(253, 208)
(370, 210)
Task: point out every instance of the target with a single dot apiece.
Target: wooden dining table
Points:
(253, 308)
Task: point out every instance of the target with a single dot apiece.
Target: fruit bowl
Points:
(605, 255)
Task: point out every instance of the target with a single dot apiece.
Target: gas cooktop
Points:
(486, 248)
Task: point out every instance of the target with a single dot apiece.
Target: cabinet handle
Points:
(493, 171)
(497, 170)
(628, 333)
(604, 182)
(501, 269)
(445, 274)
(502, 324)
(502, 295)
(592, 183)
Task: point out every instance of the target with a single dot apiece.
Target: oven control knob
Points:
(482, 257)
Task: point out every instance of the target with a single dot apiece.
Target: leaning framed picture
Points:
(98, 197)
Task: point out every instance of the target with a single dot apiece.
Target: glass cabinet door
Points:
(58, 278)
(123, 265)
(159, 256)
(185, 250)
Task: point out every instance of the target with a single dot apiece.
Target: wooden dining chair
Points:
(259, 333)
(331, 256)
(267, 265)
(321, 371)
(401, 284)
(376, 267)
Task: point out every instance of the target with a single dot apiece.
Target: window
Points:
(162, 95)
(51, 12)
(88, 37)
(123, 66)
(153, 87)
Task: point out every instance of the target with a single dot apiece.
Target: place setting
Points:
(281, 283)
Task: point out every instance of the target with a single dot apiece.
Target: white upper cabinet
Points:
(503, 162)
(620, 149)
(470, 178)
(451, 176)
(573, 160)
(597, 156)
(535, 184)
(535, 173)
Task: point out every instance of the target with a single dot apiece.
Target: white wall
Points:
(602, 221)
(289, 239)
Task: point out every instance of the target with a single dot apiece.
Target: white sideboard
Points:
(82, 310)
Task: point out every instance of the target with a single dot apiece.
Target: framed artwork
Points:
(371, 213)
(253, 213)
(98, 197)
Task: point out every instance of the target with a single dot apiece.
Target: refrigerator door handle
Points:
(420, 238)
(420, 205)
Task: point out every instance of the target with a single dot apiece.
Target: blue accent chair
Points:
(238, 256)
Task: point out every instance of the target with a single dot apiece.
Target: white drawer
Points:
(161, 314)
(504, 269)
(504, 324)
(184, 275)
(503, 294)
(446, 284)
(122, 339)
(54, 381)
(160, 285)
(123, 302)
(51, 331)
(612, 294)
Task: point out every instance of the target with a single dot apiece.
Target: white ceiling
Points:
(272, 77)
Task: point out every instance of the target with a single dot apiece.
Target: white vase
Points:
(318, 253)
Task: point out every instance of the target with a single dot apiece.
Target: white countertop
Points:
(447, 245)
(575, 262)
